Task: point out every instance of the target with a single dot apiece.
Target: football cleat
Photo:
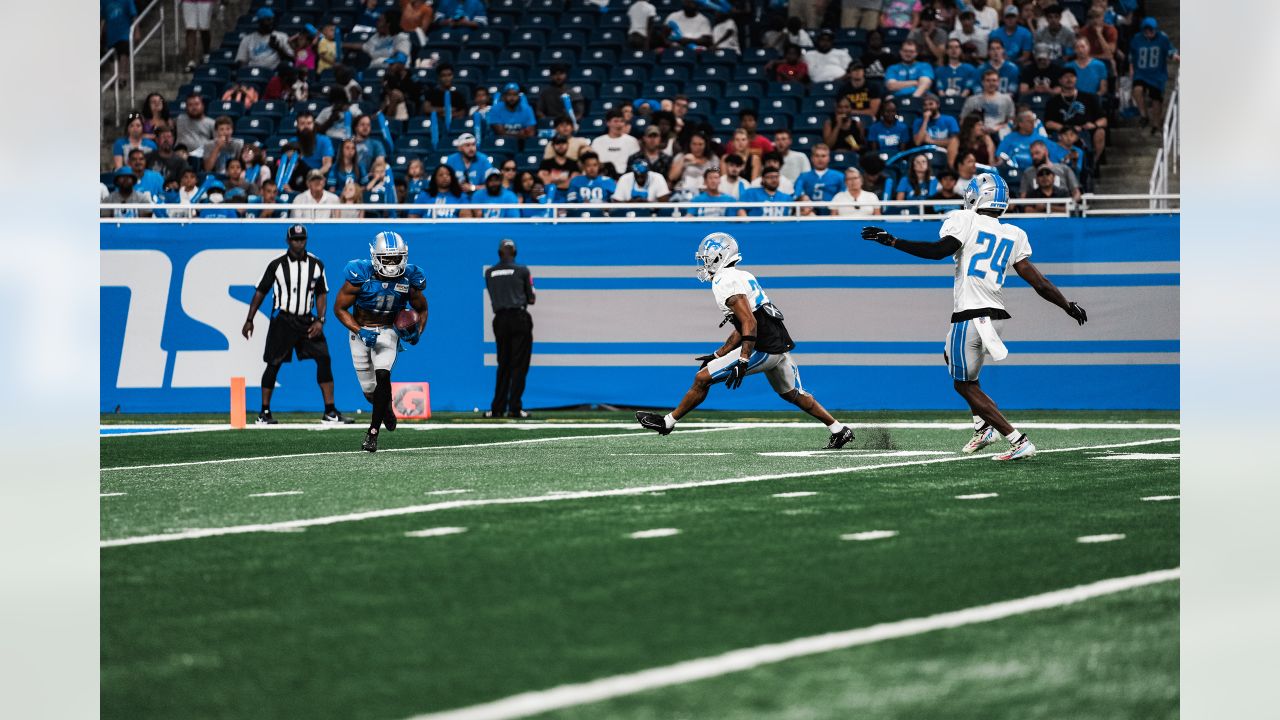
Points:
(840, 439)
(521, 414)
(1020, 450)
(653, 421)
(981, 438)
(370, 443)
(336, 418)
(264, 418)
(389, 419)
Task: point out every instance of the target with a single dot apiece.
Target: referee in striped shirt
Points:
(299, 297)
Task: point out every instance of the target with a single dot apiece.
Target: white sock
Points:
(978, 422)
(1013, 436)
(836, 427)
(669, 421)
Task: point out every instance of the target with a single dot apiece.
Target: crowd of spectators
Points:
(909, 100)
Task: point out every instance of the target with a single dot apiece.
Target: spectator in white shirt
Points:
(988, 17)
(315, 195)
(853, 200)
(615, 146)
(641, 14)
(969, 32)
(724, 34)
(692, 25)
(265, 47)
(732, 183)
(826, 62)
(793, 163)
(640, 185)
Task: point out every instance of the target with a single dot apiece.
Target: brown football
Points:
(406, 319)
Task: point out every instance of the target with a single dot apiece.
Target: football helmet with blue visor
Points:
(716, 252)
(389, 254)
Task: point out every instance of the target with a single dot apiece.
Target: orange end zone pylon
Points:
(237, 403)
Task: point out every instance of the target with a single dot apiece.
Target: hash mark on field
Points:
(195, 533)
(277, 494)
(801, 493)
(1140, 456)
(977, 496)
(1107, 537)
(435, 532)
(870, 535)
(102, 495)
(654, 533)
(1158, 498)
(459, 491)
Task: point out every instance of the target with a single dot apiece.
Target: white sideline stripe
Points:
(1108, 537)
(802, 493)
(459, 491)
(861, 453)
(565, 696)
(977, 496)
(578, 495)
(102, 495)
(435, 532)
(277, 494)
(1159, 498)
(654, 533)
(870, 535)
(676, 454)
(1141, 456)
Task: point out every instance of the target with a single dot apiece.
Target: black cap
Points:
(296, 232)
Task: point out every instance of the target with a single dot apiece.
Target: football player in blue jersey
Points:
(378, 289)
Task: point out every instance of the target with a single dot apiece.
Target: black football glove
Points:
(1077, 313)
(736, 373)
(704, 359)
(880, 235)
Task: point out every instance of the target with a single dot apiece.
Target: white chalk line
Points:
(654, 533)
(196, 533)
(800, 493)
(277, 493)
(1141, 456)
(102, 495)
(675, 454)
(525, 441)
(1161, 498)
(565, 696)
(435, 532)
(977, 496)
(860, 453)
(870, 535)
(459, 491)
(1106, 537)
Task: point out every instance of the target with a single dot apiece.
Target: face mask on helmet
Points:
(389, 254)
(716, 252)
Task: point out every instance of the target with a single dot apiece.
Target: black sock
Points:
(381, 398)
(330, 408)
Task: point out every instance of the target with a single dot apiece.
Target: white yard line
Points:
(579, 495)
(459, 491)
(977, 496)
(676, 454)
(1141, 456)
(861, 453)
(102, 495)
(566, 696)
(654, 533)
(870, 535)
(277, 493)
(1107, 537)
(802, 493)
(1160, 498)
(435, 532)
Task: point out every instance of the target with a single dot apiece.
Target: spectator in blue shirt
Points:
(132, 140)
(954, 77)
(314, 149)
(711, 194)
(591, 187)
(1015, 148)
(1149, 55)
(512, 117)
(492, 194)
(470, 166)
(149, 181)
(917, 184)
(909, 77)
(888, 134)
(1009, 73)
(367, 146)
(768, 192)
(461, 13)
(1066, 152)
(932, 127)
(821, 183)
(115, 19)
(443, 190)
(1091, 73)
(1017, 40)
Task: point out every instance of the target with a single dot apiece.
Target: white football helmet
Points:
(389, 253)
(716, 252)
(987, 191)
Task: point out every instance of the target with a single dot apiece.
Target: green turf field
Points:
(281, 573)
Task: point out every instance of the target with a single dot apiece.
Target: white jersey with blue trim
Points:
(988, 251)
(732, 281)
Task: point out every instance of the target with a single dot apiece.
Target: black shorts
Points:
(289, 333)
(1153, 92)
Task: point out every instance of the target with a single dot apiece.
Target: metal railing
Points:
(1089, 205)
(112, 82)
(1167, 156)
(136, 44)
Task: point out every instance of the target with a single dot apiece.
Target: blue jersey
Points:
(440, 201)
(323, 149)
(118, 16)
(505, 196)
(907, 73)
(762, 195)
(121, 147)
(511, 120)
(474, 174)
(151, 183)
(583, 189)
(1009, 76)
(818, 186)
(546, 199)
(1017, 147)
(940, 129)
(1151, 58)
(889, 138)
(955, 81)
(1015, 43)
(1089, 78)
(385, 296)
(703, 197)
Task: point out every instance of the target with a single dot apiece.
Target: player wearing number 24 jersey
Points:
(759, 343)
(984, 249)
(375, 292)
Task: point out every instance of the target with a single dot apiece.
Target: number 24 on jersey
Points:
(993, 257)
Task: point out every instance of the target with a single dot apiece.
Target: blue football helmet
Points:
(389, 253)
(716, 252)
(987, 191)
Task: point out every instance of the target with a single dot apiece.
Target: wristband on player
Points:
(745, 338)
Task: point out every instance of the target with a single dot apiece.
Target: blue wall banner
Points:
(620, 315)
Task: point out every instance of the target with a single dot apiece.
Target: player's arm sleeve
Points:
(355, 273)
(944, 248)
(417, 278)
(268, 278)
(1021, 247)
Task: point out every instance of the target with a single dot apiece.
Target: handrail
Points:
(136, 45)
(112, 82)
(1167, 156)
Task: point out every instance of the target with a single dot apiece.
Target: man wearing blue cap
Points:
(512, 117)
(1149, 54)
(124, 180)
(265, 47)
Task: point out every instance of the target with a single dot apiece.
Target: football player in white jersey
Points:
(759, 343)
(984, 248)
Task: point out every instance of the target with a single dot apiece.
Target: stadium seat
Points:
(826, 88)
(506, 74)
(736, 105)
(516, 56)
(269, 108)
(572, 39)
(951, 105)
(259, 127)
(773, 122)
(713, 89)
(817, 105)
(511, 6)
(677, 56)
(588, 73)
(725, 123)
(716, 72)
(792, 89)
(547, 6)
(610, 38)
(842, 159)
(660, 89)
(561, 55)
(805, 142)
(582, 21)
(740, 89)
(1037, 102)
(540, 20)
(789, 105)
(807, 123)
(909, 105)
(212, 74)
(615, 21)
(894, 36)
(253, 74)
(749, 72)
(592, 126)
(400, 161)
(671, 73)
(491, 40)
(414, 143)
(851, 36)
(599, 56)
(722, 56)
(759, 56)
(419, 126)
(528, 160)
(528, 38)
(629, 73)
(618, 89)
(701, 106)
(230, 108)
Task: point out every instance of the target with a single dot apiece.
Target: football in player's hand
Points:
(407, 319)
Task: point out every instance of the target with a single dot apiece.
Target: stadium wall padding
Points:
(620, 315)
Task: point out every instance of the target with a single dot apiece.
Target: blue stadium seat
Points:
(671, 73)
(716, 72)
(725, 123)
(581, 21)
(629, 73)
(804, 142)
(708, 88)
(503, 22)
(213, 74)
(599, 55)
(739, 89)
(591, 126)
(528, 38)
(230, 108)
(255, 126)
(516, 56)
(269, 108)
(851, 36)
(528, 160)
(722, 56)
(618, 89)
(560, 55)
(494, 145)
(615, 21)
(419, 126)
(448, 37)
(610, 38)
(738, 104)
(749, 72)
(789, 105)
(475, 57)
(588, 73)
(511, 6)
(253, 74)
(909, 105)
(413, 144)
(638, 124)
(826, 88)
(548, 6)
(507, 73)
(1036, 101)
(701, 106)
(677, 56)
(807, 122)
(636, 57)
(587, 90)
(606, 104)
(951, 105)
(759, 55)
(792, 89)
(659, 89)
(817, 105)
(894, 36)
(773, 122)
(842, 159)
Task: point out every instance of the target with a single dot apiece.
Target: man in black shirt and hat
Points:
(510, 292)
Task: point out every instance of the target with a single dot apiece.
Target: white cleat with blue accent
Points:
(1020, 450)
(981, 438)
